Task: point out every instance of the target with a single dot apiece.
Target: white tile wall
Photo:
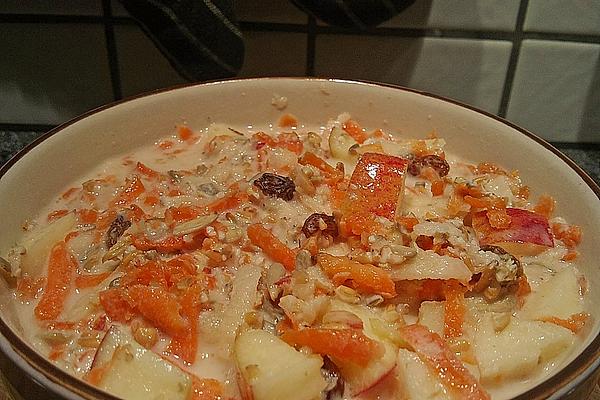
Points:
(472, 71)
(142, 66)
(556, 90)
(573, 16)
(49, 74)
(280, 54)
(499, 15)
(53, 70)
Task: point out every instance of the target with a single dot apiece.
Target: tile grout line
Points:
(111, 49)
(311, 41)
(514, 59)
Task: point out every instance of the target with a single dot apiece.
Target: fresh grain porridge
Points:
(290, 263)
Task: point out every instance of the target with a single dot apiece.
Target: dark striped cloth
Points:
(202, 40)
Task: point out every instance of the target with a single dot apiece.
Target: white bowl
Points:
(32, 179)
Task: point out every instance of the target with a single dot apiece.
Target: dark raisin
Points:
(312, 225)
(437, 163)
(335, 382)
(117, 228)
(273, 185)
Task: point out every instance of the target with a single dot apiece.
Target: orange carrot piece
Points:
(146, 171)
(87, 216)
(454, 309)
(160, 308)
(61, 268)
(523, 289)
(182, 213)
(87, 281)
(171, 244)
(434, 352)
(408, 222)
(312, 159)
(185, 346)
(133, 188)
(437, 187)
(288, 120)
(574, 323)
(365, 278)
(353, 129)
(116, 304)
(343, 344)
(570, 235)
(498, 218)
(184, 132)
(545, 206)
(69, 192)
(273, 247)
(227, 203)
(206, 389)
(56, 215)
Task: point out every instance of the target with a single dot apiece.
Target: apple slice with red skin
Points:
(528, 233)
(376, 189)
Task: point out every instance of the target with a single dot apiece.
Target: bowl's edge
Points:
(578, 370)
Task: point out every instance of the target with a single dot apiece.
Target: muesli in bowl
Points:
(305, 260)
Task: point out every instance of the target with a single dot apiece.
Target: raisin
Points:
(312, 225)
(117, 228)
(437, 163)
(273, 185)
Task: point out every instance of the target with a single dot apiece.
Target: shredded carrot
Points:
(132, 189)
(116, 304)
(272, 246)
(312, 159)
(184, 132)
(61, 268)
(57, 351)
(146, 171)
(69, 192)
(160, 308)
(95, 375)
(87, 281)
(54, 215)
(350, 345)
(185, 346)
(181, 214)
(353, 129)
(490, 168)
(87, 216)
(498, 218)
(228, 202)
(290, 141)
(545, 206)
(408, 222)
(434, 352)
(437, 187)
(570, 235)
(570, 256)
(574, 323)
(206, 389)
(454, 309)
(365, 278)
(288, 120)
(523, 289)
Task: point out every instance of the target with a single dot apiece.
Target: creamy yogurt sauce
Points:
(301, 263)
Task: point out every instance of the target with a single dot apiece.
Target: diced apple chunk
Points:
(527, 234)
(38, 247)
(416, 380)
(273, 370)
(429, 265)
(557, 297)
(517, 349)
(362, 378)
(340, 143)
(134, 373)
(431, 315)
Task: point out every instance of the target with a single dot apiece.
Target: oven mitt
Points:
(201, 38)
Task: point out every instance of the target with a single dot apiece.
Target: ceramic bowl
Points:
(37, 174)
